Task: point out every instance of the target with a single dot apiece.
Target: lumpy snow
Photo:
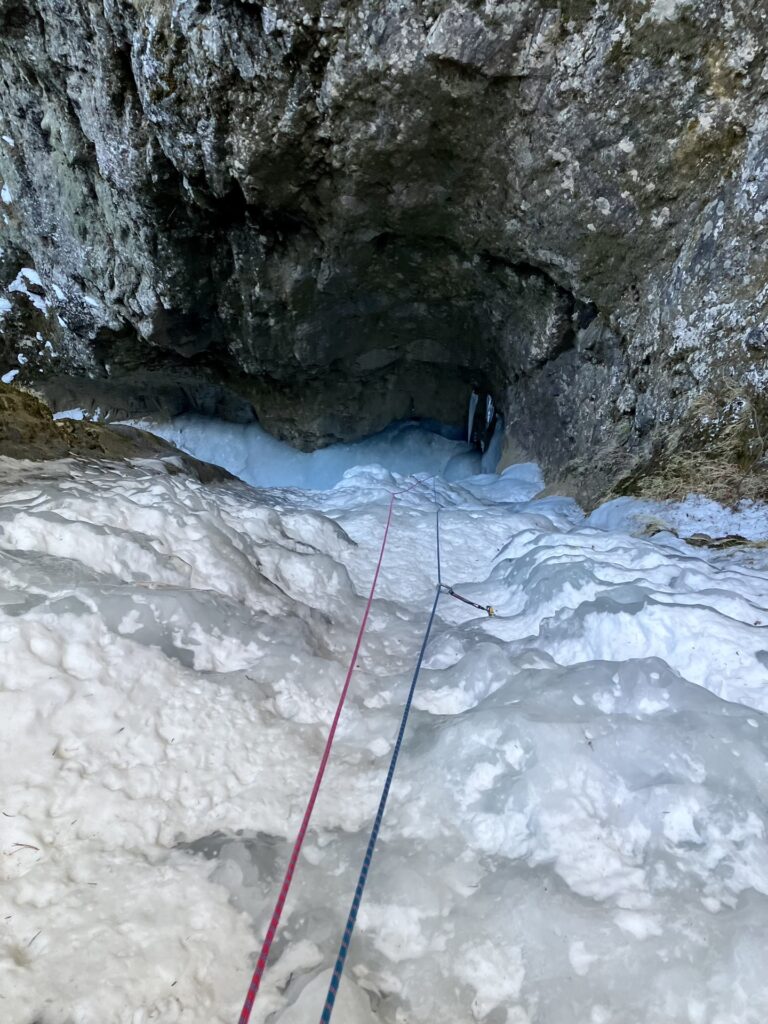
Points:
(576, 833)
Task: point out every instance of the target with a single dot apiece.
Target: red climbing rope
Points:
(261, 963)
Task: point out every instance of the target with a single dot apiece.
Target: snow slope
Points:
(577, 829)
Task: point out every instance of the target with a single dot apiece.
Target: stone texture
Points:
(28, 431)
(339, 213)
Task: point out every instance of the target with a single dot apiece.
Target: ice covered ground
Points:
(577, 831)
(249, 452)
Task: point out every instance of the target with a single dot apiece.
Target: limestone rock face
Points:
(339, 213)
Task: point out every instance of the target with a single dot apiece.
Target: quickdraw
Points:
(487, 608)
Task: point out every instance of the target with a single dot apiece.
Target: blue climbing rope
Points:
(437, 535)
(338, 969)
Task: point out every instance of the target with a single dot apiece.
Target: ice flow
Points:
(577, 829)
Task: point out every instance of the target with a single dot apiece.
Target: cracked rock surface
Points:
(331, 215)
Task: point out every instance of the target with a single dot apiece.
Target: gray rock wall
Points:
(341, 213)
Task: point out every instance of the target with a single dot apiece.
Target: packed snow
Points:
(576, 834)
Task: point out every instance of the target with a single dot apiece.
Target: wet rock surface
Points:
(333, 215)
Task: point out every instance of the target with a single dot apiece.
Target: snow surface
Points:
(21, 283)
(70, 414)
(695, 515)
(576, 834)
(664, 10)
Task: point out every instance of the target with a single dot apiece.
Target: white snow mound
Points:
(577, 830)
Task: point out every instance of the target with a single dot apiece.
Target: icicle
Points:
(473, 399)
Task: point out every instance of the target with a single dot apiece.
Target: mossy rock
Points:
(720, 451)
(29, 431)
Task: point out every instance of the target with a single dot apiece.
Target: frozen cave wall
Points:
(338, 213)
